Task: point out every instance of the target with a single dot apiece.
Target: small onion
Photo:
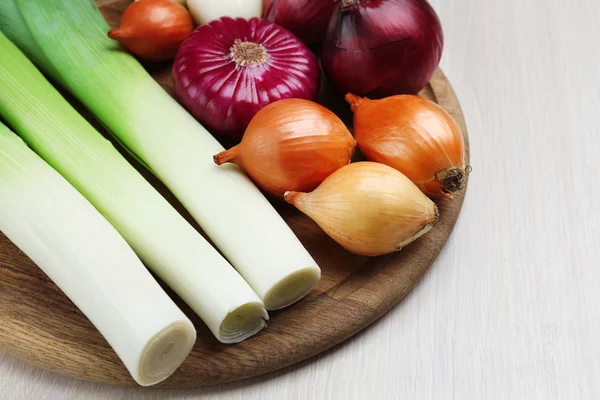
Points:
(153, 30)
(415, 136)
(379, 48)
(292, 144)
(307, 19)
(368, 208)
(229, 69)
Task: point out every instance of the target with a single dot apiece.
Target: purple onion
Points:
(229, 69)
(380, 48)
(307, 19)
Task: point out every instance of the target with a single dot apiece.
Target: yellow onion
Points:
(153, 29)
(416, 137)
(291, 144)
(369, 208)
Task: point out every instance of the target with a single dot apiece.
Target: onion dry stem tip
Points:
(354, 100)
(291, 196)
(423, 231)
(116, 34)
(225, 156)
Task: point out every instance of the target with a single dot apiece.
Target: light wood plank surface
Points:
(511, 307)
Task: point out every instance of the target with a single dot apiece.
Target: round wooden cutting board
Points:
(40, 325)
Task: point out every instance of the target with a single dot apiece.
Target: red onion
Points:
(229, 69)
(307, 19)
(379, 48)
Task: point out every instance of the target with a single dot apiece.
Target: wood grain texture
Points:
(509, 309)
(40, 325)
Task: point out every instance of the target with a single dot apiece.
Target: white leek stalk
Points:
(204, 11)
(161, 237)
(55, 226)
(68, 40)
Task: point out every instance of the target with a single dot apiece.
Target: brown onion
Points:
(368, 208)
(291, 144)
(415, 136)
(153, 29)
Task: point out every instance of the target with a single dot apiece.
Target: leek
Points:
(84, 255)
(68, 40)
(161, 237)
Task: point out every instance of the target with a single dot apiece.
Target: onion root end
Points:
(452, 179)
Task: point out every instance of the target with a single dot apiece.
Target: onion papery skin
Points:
(224, 93)
(415, 136)
(307, 19)
(153, 30)
(379, 48)
(292, 144)
(369, 208)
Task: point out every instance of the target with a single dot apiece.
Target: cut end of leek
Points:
(292, 288)
(243, 322)
(165, 352)
(90, 262)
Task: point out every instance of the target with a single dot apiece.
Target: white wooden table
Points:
(511, 308)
